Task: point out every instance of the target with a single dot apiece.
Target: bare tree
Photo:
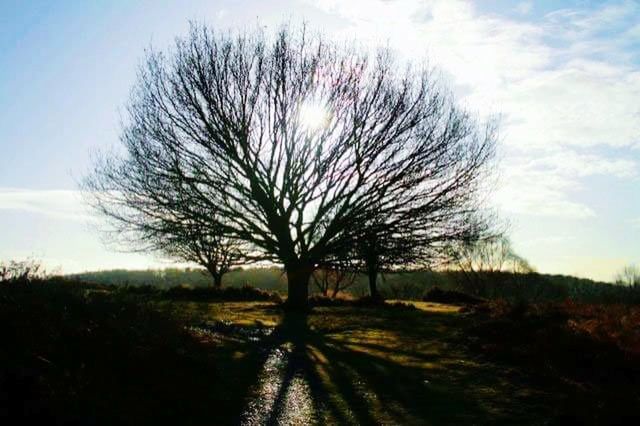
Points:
(334, 278)
(204, 246)
(629, 276)
(158, 217)
(293, 141)
(381, 248)
(486, 255)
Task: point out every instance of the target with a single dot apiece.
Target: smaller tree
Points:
(487, 255)
(629, 276)
(211, 250)
(334, 279)
(383, 247)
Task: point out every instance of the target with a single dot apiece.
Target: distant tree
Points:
(206, 247)
(491, 254)
(487, 255)
(293, 143)
(331, 280)
(629, 276)
(21, 271)
(381, 248)
(167, 224)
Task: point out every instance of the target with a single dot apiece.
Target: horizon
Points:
(237, 269)
(563, 76)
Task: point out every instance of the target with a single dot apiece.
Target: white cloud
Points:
(572, 164)
(61, 204)
(544, 184)
(584, 103)
(528, 191)
(566, 86)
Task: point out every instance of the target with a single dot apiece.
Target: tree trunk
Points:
(216, 275)
(373, 287)
(217, 280)
(298, 287)
(336, 289)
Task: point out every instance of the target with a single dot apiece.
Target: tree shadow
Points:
(309, 376)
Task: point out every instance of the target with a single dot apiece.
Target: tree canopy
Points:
(296, 147)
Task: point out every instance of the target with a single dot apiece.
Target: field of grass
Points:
(108, 357)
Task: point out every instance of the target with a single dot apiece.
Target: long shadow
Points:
(319, 379)
(295, 393)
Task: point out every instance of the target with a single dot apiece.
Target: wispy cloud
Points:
(60, 204)
(581, 23)
(531, 192)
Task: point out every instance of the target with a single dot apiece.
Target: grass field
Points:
(122, 359)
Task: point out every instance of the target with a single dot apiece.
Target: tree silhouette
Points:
(204, 246)
(221, 125)
(628, 276)
(490, 255)
(334, 278)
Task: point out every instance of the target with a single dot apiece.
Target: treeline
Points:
(532, 287)
(270, 279)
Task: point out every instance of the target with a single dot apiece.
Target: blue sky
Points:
(563, 75)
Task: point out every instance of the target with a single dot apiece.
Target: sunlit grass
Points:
(387, 365)
(241, 313)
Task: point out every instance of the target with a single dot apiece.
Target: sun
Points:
(313, 116)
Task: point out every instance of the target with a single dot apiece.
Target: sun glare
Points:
(313, 116)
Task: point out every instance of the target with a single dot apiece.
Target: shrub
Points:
(81, 356)
(244, 293)
(23, 272)
(449, 296)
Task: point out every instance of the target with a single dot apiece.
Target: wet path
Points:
(282, 394)
(365, 366)
(285, 392)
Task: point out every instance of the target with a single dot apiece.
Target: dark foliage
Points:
(450, 296)
(544, 339)
(245, 293)
(533, 287)
(270, 279)
(75, 354)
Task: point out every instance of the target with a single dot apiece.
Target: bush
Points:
(79, 355)
(244, 293)
(21, 272)
(449, 296)
(590, 349)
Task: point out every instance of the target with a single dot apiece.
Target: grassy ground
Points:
(121, 359)
(430, 365)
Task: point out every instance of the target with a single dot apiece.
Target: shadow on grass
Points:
(311, 376)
